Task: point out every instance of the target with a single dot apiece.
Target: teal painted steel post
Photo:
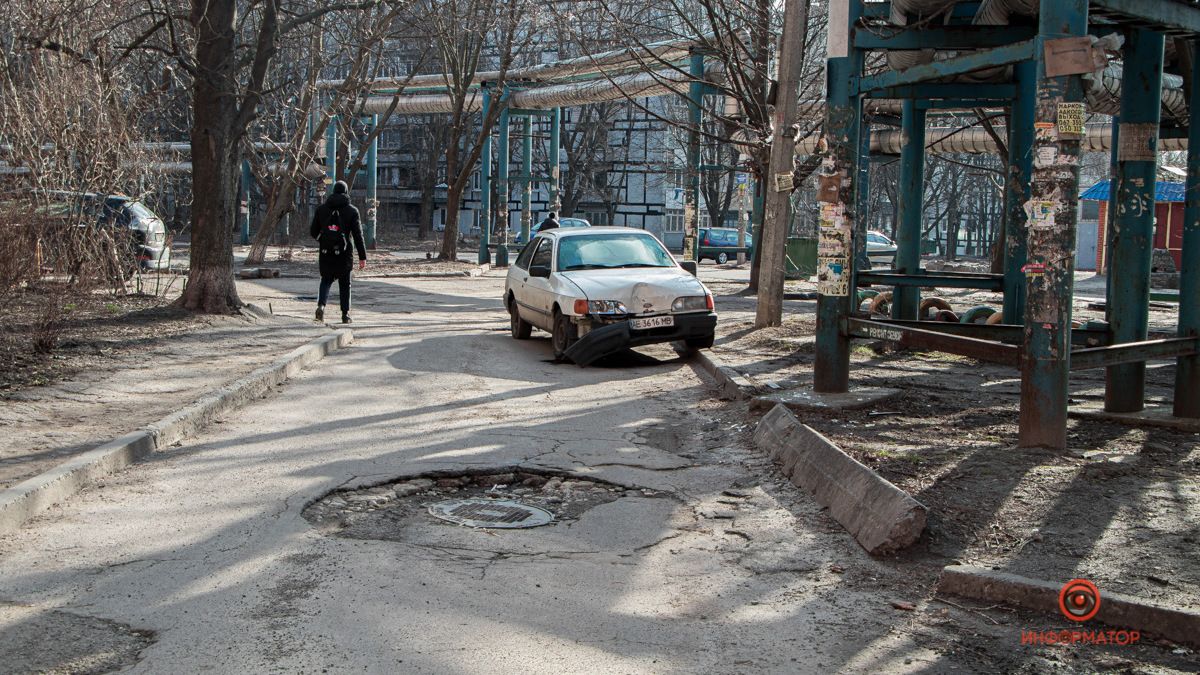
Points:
(1054, 200)
(555, 151)
(691, 194)
(244, 205)
(862, 200)
(527, 172)
(911, 196)
(843, 110)
(1020, 171)
(502, 191)
(485, 187)
(1133, 241)
(372, 185)
(1187, 371)
(331, 142)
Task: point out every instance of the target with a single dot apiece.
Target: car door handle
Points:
(525, 279)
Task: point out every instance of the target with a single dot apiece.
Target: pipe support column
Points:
(1020, 171)
(1054, 196)
(1187, 371)
(843, 112)
(555, 151)
(502, 191)
(911, 197)
(485, 188)
(1133, 231)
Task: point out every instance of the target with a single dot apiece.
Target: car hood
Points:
(644, 290)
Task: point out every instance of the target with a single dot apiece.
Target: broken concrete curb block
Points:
(1124, 611)
(880, 516)
(733, 385)
(806, 399)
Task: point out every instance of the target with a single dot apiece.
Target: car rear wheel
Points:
(521, 329)
(705, 342)
(722, 258)
(564, 334)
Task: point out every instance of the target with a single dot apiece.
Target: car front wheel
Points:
(521, 329)
(564, 335)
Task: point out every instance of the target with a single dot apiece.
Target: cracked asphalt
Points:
(201, 559)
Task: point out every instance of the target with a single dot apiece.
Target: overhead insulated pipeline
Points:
(945, 140)
(668, 51)
(1103, 89)
(632, 85)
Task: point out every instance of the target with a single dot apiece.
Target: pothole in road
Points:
(504, 499)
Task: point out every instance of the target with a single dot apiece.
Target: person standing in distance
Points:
(549, 223)
(334, 224)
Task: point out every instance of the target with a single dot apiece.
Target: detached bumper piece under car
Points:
(614, 337)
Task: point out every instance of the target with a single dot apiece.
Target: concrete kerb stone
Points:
(21, 502)
(1117, 610)
(733, 385)
(881, 517)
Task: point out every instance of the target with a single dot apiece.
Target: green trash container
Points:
(801, 257)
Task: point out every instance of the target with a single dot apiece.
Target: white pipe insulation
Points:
(553, 96)
(616, 60)
(978, 141)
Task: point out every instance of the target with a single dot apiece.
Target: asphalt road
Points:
(202, 559)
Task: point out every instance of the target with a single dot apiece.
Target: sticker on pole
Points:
(1040, 214)
(1070, 118)
(831, 277)
(784, 182)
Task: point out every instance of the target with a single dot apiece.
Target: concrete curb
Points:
(1117, 610)
(881, 517)
(733, 385)
(21, 502)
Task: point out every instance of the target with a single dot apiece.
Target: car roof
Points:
(585, 231)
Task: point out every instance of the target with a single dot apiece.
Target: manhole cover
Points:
(498, 513)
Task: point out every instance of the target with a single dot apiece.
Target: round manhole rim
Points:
(445, 510)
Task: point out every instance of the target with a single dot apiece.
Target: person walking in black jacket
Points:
(334, 224)
(549, 223)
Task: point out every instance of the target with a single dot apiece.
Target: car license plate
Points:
(652, 322)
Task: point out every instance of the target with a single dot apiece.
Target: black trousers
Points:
(339, 270)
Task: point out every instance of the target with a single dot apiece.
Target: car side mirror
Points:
(542, 271)
(690, 266)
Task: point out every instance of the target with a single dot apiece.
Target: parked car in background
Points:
(598, 290)
(125, 217)
(562, 222)
(721, 243)
(881, 250)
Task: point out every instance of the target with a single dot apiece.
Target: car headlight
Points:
(692, 303)
(600, 307)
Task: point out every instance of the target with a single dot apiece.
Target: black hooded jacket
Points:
(347, 217)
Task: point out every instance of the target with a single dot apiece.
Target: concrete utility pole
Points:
(779, 174)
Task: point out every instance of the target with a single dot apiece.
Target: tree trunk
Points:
(210, 286)
(425, 222)
(450, 236)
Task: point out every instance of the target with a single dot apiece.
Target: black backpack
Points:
(332, 238)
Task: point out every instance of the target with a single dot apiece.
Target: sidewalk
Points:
(137, 381)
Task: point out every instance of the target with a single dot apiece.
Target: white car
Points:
(598, 290)
(881, 251)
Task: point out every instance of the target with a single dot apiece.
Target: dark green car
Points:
(721, 244)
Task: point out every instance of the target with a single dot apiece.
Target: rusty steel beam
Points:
(933, 340)
(999, 332)
(987, 282)
(1133, 352)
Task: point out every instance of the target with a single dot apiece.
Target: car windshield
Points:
(609, 251)
(139, 211)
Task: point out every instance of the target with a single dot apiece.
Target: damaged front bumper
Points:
(614, 337)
